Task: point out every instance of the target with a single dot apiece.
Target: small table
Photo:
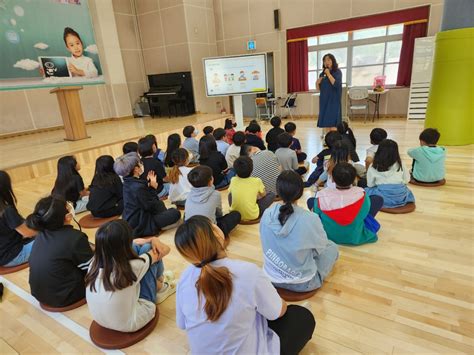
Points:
(377, 101)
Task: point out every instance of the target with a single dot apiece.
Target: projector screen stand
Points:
(238, 112)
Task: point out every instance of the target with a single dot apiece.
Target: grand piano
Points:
(170, 94)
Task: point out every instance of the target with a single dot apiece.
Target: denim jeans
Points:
(81, 204)
(165, 191)
(226, 180)
(23, 256)
(148, 282)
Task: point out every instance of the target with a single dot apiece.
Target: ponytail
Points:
(215, 283)
(49, 214)
(344, 129)
(290, 189)
(173, 175)
(197, 242)
(179, 158)
(286, 211)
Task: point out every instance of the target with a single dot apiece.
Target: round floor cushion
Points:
(112, 339)
(291, 296)
(11, 269)
(249, 222)
(425, 184)
(89, 221)
(409, 207)
(64, 309)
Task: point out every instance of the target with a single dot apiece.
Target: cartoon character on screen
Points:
(231, 77)
(255, 75)
(78, 64)
(50, 68)
(216, 79)
(242, 76)
(225, 77)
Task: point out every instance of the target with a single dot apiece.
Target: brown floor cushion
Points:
(11, 269)
(89, 221)
(63, 309)
(291, 296)
(409, 207)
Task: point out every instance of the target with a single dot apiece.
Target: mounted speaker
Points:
(276, 19)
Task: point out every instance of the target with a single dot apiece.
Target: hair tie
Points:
(205, 262)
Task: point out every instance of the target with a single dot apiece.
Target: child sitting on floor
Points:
(252, 136)
(16, 239)
(272, 135)
(204, 200)
(234, 150)
(347, 212)
(106, 190)
(229, 127)
(329, 139)
(174, 142)
(377, 135)
(219, 136)
(247, 194)
(207, 130)
(178, 177)
(69, 184)
(290, 128)
(191, 143)
(428, 159)
(145, 148)
(286, 156)
(125, 278)
(388, 177)
(228, 306)
(297, 253)
(60, 255)
(348, 138)
(143, 210)
(210, 156)
(130, 147)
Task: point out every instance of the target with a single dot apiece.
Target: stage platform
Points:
(35, 155)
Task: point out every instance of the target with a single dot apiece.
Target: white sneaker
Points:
(167, 290)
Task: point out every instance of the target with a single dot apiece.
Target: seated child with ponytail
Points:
(124, 277)
(347, 212)
(60, 255)
(178, 177)
(297, 254)
(228, 306)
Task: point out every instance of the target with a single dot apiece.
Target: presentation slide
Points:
(236, 75)
(47, 43)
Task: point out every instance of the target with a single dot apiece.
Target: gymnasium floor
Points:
(411, 292)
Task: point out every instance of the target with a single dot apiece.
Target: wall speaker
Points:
(276, 19)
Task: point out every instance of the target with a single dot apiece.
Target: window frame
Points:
(350, 44)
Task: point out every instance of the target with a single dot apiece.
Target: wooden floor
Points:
(411, 292)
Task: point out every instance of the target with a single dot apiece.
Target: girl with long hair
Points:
(69, 184)
(174, 142)
(229, 127)
(60, 256)
(388, 176)
(106, 190)
(230, 306)
(178, 177)
(16, 239)
(210, 156)
(124, 277)
(297, 253)
(348, 138)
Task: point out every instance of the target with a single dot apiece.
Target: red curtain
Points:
(410, 33)
(358, 23)
(297, 54)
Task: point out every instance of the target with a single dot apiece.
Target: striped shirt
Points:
(267, 168)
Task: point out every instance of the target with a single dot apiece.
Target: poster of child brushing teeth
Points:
(47, 43)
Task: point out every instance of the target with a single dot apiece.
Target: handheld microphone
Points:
(324, 72)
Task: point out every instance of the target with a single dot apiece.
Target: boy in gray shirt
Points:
(287, 156)
(204, 200)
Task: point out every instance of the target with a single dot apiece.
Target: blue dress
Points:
(330, 101)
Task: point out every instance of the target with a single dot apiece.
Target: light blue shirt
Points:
(243, 327)
(222, 146)
(192, 145)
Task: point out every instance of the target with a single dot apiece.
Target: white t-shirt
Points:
(180, 190)
(243, 327)
(122, 310)
(370, 153)
(86, 64)
(233, 152)
(394, 175)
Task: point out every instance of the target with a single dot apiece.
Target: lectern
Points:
(71, 112)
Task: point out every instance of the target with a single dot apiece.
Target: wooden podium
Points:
(71, 112)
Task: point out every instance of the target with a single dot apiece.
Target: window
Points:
(361, 54)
